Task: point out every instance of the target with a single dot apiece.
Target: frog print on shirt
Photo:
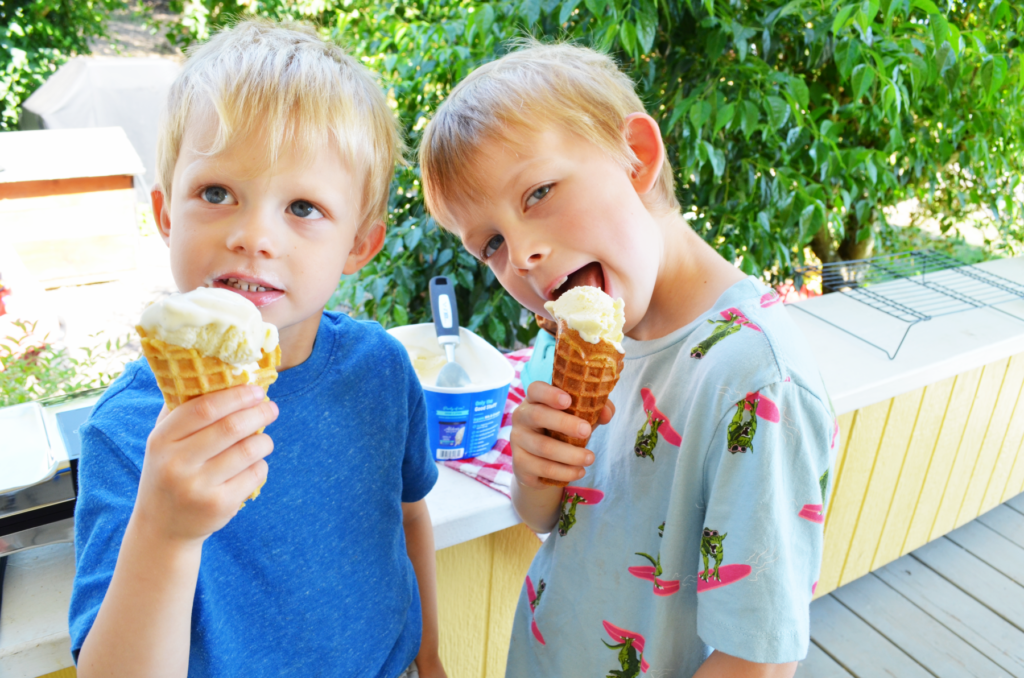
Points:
(631, 652)
(534, 597)
(712, 548)
(744, 423)
(655, 427)
(732, 320)
(571, 498)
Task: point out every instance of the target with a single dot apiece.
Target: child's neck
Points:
(296, 341)
(691, 278)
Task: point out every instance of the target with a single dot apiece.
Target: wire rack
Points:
(912, 287)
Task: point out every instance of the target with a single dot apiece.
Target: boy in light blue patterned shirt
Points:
(689, 538)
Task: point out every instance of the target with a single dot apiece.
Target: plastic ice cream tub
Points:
(461, 422)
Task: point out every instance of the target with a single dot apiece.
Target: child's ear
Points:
(365, 248)
(644, 138)
(161, 212)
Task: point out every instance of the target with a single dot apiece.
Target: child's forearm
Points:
(143, 627)
(537, 507)
(721, 665)
(419, 544)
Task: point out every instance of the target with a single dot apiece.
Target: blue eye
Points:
(304, 210)
(492, 246)
(538, 195)
(217, 195)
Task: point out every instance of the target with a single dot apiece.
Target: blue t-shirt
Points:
(312, 578)
(699, 525)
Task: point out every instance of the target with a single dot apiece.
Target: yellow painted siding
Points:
(978, 417)
(478, 585)
(918, 465)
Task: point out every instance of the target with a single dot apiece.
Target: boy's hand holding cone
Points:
(588, 355)
(205, 341)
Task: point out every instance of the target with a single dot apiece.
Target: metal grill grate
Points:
(912, 287)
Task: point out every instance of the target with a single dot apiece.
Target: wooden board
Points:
(819, 665)
(992, 443)
(1006, 522)
(955, 609)
(954, 419)
(514, 549)
(892, 452)
(925, 640)
(43, 187)
(1016, 503)
(978, 418)
(988, 545)
(993, 589)
(1010, 443)
(851, 486)
(857, 646)
(835, 548)
(892, 543)
(1015, 481)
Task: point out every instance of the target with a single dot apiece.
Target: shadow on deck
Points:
(954, 607)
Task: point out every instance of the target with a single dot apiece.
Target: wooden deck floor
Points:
(954, 607)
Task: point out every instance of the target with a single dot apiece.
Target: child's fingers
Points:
(540, 417)
(548, 450)
(607, 412)
(236, 426)
(546, 394)
(235, 459)
(199, 413)
(247, 481)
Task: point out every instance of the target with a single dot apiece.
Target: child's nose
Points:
(253, 236)
(524, 259)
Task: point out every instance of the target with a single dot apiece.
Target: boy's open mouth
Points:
(591, 275)
(258, 292)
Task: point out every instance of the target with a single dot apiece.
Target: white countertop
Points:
(37, 590)
(857, 374)
(34, 637)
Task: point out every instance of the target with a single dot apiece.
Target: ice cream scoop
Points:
(216, 323)
(592, 313)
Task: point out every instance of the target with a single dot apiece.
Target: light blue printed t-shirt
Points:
(311, 578)
(699, 525)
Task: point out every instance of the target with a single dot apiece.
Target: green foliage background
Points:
(36, 37)
(791, 124)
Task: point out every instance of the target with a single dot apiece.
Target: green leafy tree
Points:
(36, 37)
(790, 124)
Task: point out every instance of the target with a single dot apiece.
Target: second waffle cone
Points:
(183, 373)
(588, 373)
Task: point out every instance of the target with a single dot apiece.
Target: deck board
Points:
(862, 650)
(907, 626)
(1016, 503)
(1006, 522)
(820, 665)
(954, 607)
(996, 591)
(995, 549)
(979, 626)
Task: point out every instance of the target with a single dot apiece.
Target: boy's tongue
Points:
(590, 275)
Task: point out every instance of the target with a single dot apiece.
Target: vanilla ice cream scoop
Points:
(592, 313)
(215, 322)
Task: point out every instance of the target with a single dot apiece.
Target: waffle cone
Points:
(588, 373)
(183, 373)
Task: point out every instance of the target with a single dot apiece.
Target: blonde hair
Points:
(533, 88)
(283, 85)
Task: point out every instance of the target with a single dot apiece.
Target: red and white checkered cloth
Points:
(494, 468)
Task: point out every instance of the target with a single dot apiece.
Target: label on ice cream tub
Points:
(467, 425)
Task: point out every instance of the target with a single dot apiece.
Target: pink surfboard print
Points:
(813, 513)
(536, 632)
(766, 409)
(667, 433)
(662, 587)
(587, 495)
(729, 574)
